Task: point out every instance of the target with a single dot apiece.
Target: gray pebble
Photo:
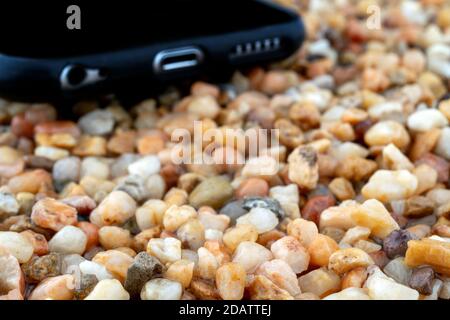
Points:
(135, 186)
(98, 122)
(234, 210)
(264, 202)
(67, 170)
(144, 268)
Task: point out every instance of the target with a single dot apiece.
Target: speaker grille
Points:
(256, 47)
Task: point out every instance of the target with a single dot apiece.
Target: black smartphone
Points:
(68, 49)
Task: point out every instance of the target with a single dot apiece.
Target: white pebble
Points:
(443, 145)
(394, 159)
(262, 219)
(17, 245)
(161, 289)
(94, 167)
(385, 109)
(351, 293)
(166, 250)
(69, 239)
(145, 167)
(251, 255)
(98, 270)
(398, 270)
(385, 185)
(426, 119)
(51, 153)
(108, 289)
(381, 287)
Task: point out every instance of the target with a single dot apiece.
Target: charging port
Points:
(77, 76)
(177, 59)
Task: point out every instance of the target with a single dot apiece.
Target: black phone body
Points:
(118, 46)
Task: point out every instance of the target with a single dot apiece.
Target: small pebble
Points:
(69, 239)
(97, 122)
(143, 269)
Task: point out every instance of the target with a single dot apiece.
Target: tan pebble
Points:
(291, 251)
(305, 115)
(375, 80)
(127, 251)
(59, 140)
(342, 189)
(122, 142)
(386, 132)
(140, 241)
(339, 216)
(52, 214)
(31, 181)
(191, 234)
(252, 187)
(175, 216)
(230, 281)
(276, 82)
(320, 282)
(91, 232)
(112, 237)
(38, 241)
(116, 208)
(424, 142)
(320, 250)
(303, 167)
(303, 230)
(354, 278)
(250, 255)
(354, 234)
(281, 274)
(90, 146)
(176, 196)
(181, 271)
(204, 106)
(307, 296)
(240, 233)
(211, 220)
(54, 288)
(367, 246)
(204, 290)
(200, 88)
(207, 264)
(373, 215)
(355, 168)
(431, 252)
(150, 144)
(427, 178)
(151, 214)
(262, 288)
(345, 260)
(116, 262)
(263, 167)
(418, 207)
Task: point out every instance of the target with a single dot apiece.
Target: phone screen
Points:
(39, 28)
